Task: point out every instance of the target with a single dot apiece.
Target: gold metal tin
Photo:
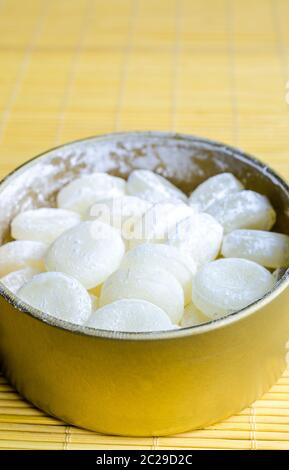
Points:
(142, 383)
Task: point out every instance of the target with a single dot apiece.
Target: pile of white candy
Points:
(141, 255)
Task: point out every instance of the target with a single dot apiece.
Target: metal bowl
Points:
(142, 384)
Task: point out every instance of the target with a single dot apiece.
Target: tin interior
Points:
(184, 160)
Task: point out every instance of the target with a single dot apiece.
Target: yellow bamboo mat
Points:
(215, 68)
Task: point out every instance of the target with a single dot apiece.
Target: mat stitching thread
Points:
(281, 44)
(232, 65)
(124, 67)
(252, 422)
(67, 436)
(176, 62)
(23, 68)
(73, 72)
(155, 443)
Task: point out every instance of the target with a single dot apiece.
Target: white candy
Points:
(199, 235)
(121, 212)
(192, 316)
(245, 209)
(89, 252)
(58, 295)
(82, 193)
(267, 248)
(94, 302)
(228, 285)
(180, 265)
(131, 315)
(20, 254)
(154, 197)
(157, 286)
(157, 221)
(213, 189)
(140, 181)
(45, 224)
(17, 279)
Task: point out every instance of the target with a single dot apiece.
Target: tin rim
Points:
(167, 334)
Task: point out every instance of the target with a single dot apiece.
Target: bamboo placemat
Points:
(215, 68)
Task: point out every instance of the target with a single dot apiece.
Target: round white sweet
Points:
(157, 221)
(267, 248)
(130, 315)
(45, 224)
(89, 252)
(157, 286)
(199, 235)
(141, 181)
(58, 295)
(193, 316)
(94, 302)
(17, 279)
(20, 254)
(83, 192)
(213, 189)
(228, 285)
(154, 197)
(155, 255)
(245, 209)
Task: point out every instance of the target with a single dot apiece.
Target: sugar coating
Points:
(94, 302)
(120, 212)
(213, 189)
(245, 209)
(140, 181)
(130, 315)
(19, 254)
(58, 295)
(83, 192)
(269, 249)
(228, 285)
(16, 279)
(149, 255)
(45, 224)
(157, 286)
(193, 316)
(157, 221)
(155, 197)
(89, 252)
(199, 235)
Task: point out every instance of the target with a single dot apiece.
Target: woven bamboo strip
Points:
(37, 436)
(271, 411)
(32, 445)
(25, 419)
(104, 446)
(16, 404)
(110, 440)
(280, 396)
(205, 444)
(8, 396)
(6, 388)
(31, 428)
(25, 411)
